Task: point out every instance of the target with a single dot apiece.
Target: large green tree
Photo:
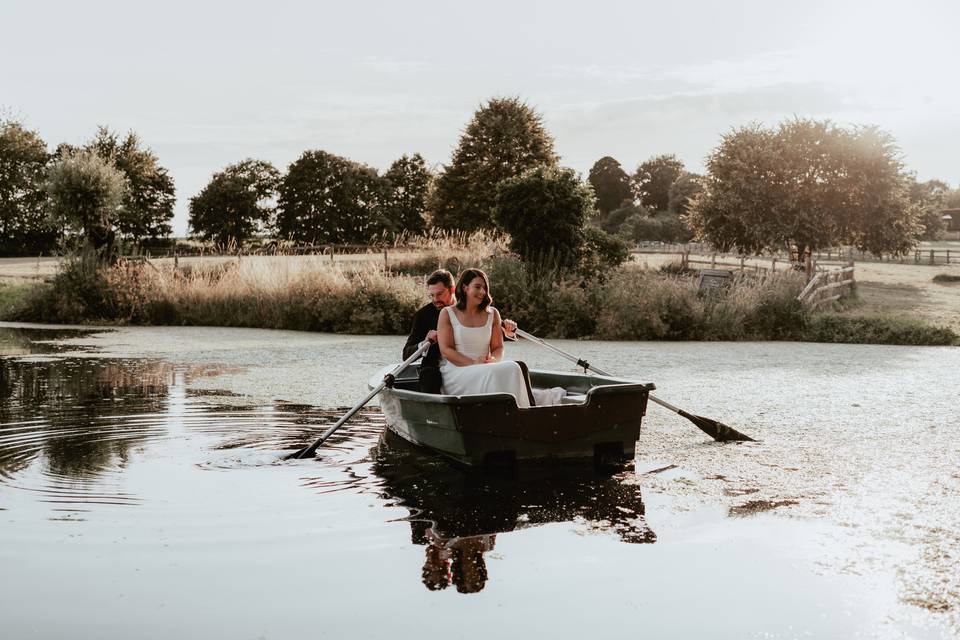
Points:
(505, 138)
(236, 203)
(328, 199)
(931, 198)
(86, 195)
(806, 183)
(408, 182)
(611, 184)
(24, 220)
(148, 204)
(652, 180)
(544, 211)
(682, 191)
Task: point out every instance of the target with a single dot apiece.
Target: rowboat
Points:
(599, 418)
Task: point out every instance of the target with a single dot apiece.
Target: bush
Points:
(639, 305)
(876, 330)
(601, 254)
(665, 227)
(946, 278)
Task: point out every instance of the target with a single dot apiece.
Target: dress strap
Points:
(451, 315)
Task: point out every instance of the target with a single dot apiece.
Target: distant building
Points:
(951, 218)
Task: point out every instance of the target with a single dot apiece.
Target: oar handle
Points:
(387, 380)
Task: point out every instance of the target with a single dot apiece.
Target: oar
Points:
(713, 428)
(387, 380)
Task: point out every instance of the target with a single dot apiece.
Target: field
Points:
(891, 289)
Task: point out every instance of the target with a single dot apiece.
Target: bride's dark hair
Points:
(466, 277)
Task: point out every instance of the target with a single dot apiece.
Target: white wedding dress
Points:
(495, 377)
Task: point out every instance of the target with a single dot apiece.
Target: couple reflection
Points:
(456, 514)
(457, 561)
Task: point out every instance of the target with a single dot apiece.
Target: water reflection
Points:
(19, 341)
(456, 514)
(73, 412)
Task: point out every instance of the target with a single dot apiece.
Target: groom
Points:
(440, 292)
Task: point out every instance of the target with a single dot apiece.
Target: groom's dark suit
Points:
(425, 320)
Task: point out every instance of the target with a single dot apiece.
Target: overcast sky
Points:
(206, 84)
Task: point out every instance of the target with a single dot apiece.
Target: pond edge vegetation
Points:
(596, 300)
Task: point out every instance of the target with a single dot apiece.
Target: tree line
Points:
(805, 183)
(110, 187)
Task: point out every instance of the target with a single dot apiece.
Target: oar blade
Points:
(299, 453)
(716, 429)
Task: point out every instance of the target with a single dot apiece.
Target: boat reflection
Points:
(457, 514)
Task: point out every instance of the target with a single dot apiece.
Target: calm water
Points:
(141, 496)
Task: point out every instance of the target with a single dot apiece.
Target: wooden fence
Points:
(757, 264)
(841, 254)
(828, 281)
(827, 285)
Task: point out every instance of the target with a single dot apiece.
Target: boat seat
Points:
(574, 398)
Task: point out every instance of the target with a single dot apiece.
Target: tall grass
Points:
(313, 294)
(445, 250)
(636, 304)
(305, 293)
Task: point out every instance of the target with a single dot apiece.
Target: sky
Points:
(209, 83)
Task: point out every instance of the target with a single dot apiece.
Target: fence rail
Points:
(842, 254)
(828, 285)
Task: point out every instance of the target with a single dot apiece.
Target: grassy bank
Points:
(312, 294)
(15, 298)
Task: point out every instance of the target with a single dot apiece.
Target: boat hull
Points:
(603, 423)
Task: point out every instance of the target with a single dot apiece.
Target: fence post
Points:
(931, 257)
(773, 265)
(948, 256)
(386, 266)
(713, 261)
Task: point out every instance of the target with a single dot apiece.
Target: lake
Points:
(142, 494)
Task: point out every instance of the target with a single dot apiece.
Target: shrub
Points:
(876, 330)
(945, 278)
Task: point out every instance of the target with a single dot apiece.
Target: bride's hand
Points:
(487, 359)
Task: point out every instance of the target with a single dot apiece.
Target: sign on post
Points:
(712, 279)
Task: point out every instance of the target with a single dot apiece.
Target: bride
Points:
(471, 344)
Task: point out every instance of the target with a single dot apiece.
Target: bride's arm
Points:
(496, 339)
(448, 347)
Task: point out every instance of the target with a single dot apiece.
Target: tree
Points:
(652, 180)
(148, 204)
(611, 184)
(684, 189)
(951, 200)
(408, 181)
(544, 211)
(236, 203)
(328, 199)
(613, 222)
(807, 183)
(86, 194)
(505, 138)
(24, 223)
(930, 197)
